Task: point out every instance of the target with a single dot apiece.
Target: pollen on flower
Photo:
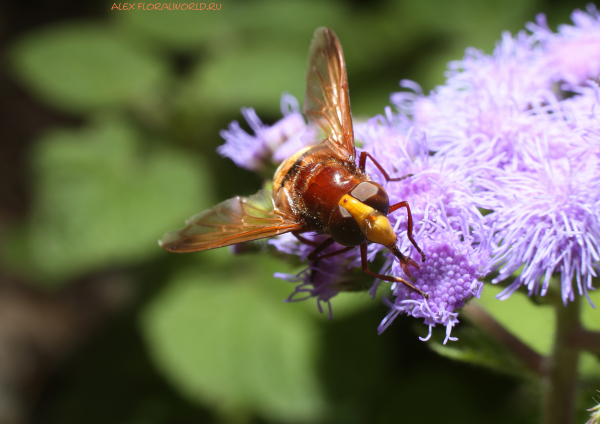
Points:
(450, 275)
(447, 276)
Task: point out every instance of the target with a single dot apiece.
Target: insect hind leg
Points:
(304, 240)
(320, 247)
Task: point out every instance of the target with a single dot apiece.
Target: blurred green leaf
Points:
(226, 340)
(80, 67)
(101, 200)
(477, 24)
(416, 40)
(296, 19)
(533, 324)
(590, 316)
(589, 366)
(251, 76)
(346, 304)
(181, 29)
(476, 347)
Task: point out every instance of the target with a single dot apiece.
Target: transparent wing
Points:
(326, 102)
(230, 222)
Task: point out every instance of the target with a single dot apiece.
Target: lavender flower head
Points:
(526, 120)
(515, 133)
(449, 228)
(270, 144)
(573, 54)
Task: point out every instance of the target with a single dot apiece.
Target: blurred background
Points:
(109, 121)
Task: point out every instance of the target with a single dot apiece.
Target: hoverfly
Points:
(319, 189)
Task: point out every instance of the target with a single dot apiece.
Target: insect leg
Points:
(363, 162)
(365, 267)
(409, 226)
(305, 240)
(335, 253)
(313, 256)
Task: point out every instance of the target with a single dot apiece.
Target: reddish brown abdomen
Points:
(320, 186)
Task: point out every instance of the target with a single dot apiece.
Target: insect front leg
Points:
(365, 267)
(409, 226)
(363, 162)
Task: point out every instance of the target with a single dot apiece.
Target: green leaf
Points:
(590, 316)
(99, 200)
(533, 324)
(179, 29)
(295, 18)
(252, 76)
(470, 23)
(227, 341)
(346, 304)
(79, 67)
(589, 366)
(476, 347)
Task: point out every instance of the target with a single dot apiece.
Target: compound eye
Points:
(344, 229)
(372, 194)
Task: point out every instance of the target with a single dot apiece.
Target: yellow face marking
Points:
(372, 223)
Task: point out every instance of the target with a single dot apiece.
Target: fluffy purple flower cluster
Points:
(515, 133)
(270, 144)
(526, 121)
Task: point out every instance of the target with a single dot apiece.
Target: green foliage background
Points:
(206, 337)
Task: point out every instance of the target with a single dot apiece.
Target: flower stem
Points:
(560, 383)
(530, 358)
(586, 340)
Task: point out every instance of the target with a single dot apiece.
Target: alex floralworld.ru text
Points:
(166, 6)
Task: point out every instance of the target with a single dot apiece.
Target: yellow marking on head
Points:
(372, 223)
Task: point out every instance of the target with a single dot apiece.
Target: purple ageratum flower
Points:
(582, 114)
(269, 144)
(321, 282)
(440, 185)
(443, 213)
(492, 109)
(573, 54)
(548, 221)
(451, 274)
(535, 152)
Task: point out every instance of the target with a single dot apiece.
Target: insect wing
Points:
(230, 222)
(327, 103)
